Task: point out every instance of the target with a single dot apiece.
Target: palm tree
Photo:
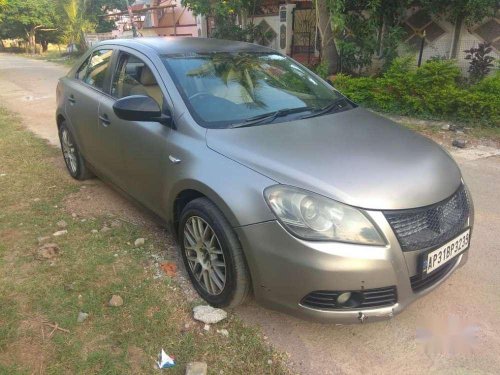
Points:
(76, 23)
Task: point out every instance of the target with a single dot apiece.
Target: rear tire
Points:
(212, 255)
(75, 163)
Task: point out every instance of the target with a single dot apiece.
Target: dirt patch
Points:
(445, 132)
(446, 138)
(136, 359)
(10, 235)
(96, 199)
(99, 342)
(32, 348)
(28, 352)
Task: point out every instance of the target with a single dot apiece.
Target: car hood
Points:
(355, 157)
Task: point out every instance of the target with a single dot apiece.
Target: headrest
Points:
(147, 77)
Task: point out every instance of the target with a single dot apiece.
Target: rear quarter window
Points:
(97, 68)
(80, 73)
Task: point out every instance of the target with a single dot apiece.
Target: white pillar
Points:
(201, 25)
(285, 30)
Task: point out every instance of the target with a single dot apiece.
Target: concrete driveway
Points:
(454, 330)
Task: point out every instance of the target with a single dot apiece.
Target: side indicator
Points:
(173, 159)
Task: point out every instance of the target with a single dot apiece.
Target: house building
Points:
(155, 18)
(290, 27)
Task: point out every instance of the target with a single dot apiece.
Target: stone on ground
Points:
(82, 316)
(60, 233)
(42, 240)
(223, 332)
(115, 301)
(139, 242)
(208, 314)
(460, 143)
(62, 224)
(116, 224)
(196, 368)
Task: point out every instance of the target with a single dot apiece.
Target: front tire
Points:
(212, 255)
(75, 163)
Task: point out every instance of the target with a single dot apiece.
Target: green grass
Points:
(89, 269)
(490, 133)
(54, 56)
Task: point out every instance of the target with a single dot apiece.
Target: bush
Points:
(489, 85)
(360, 90)
(321, 69)
(432, 91)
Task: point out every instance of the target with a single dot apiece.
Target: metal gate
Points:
(304, 34)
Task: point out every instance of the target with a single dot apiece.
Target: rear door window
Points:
(97, 69)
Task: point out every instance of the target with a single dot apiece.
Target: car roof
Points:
(183, 45)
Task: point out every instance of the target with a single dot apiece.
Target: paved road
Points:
(454, 330)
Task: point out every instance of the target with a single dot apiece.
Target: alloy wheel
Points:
(69, 151)
(204, 255)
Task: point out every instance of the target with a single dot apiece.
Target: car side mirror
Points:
(141, 108)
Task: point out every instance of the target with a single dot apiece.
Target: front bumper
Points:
(285, 269)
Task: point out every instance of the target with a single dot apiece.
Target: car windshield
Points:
(225, 90)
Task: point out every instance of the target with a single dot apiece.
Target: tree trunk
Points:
(31, 41)
(329, 53)
(45, 45)
(82, 43)
(456, 36)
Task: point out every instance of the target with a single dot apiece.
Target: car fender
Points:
(239, 195)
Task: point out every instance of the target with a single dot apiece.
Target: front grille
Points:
(370, 298)
(421, 282)
(430, 226)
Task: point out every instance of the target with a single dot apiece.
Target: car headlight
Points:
(313, 217)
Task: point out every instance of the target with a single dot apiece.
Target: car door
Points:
(84, 91)
(143, 145)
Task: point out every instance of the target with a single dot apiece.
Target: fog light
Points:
(343, 298)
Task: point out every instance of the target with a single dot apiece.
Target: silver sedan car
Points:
(273, 182)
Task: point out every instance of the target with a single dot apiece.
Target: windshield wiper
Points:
(333, 107)
(268, 117)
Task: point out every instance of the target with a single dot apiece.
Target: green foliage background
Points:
(64, 20)
(435, 90)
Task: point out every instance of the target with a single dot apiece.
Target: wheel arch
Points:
(187, 191)
(59, 120)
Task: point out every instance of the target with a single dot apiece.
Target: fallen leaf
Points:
(169, 268)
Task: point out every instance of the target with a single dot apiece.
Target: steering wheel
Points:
(199, 94)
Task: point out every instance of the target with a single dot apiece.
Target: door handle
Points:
(105, 120)
(72, 99)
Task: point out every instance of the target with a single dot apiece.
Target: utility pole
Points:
(131, 15)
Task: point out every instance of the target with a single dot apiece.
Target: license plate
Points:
(436, 258)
